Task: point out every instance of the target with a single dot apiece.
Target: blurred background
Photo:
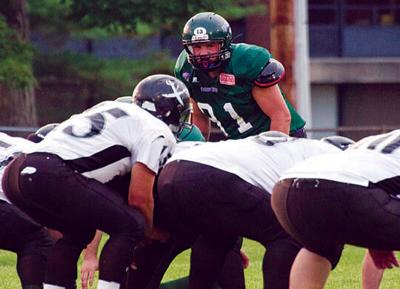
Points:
(342, 57)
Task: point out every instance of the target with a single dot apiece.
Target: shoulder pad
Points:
(272, 73)
(182, 68)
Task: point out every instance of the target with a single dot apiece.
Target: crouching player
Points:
(219, 191)
(18, 232)
(336, 199)
(63, 181)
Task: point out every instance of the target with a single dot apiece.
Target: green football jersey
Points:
(227, 100)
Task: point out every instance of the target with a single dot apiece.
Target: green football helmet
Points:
(207, 27)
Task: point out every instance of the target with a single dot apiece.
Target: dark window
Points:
(322, 2)
(370, 2)
(397, 17)
(359, 17)
(387, 17)
(321, 16)
(372, 12)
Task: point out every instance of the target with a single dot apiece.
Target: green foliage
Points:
(99, 19)
(107, 76)
(127, 15)
(15, 59)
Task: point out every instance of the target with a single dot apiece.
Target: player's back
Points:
(371, 159)
(106, 140)
(260, 160)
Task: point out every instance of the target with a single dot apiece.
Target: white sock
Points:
(107, 285)
(49, 286)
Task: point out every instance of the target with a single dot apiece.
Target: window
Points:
(359, 17)
(372, 12)
(322, 16)
(323, 2)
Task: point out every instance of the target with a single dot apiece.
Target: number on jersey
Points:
(243, 126)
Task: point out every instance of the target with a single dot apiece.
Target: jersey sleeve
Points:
(155, 150)
(179, 67)
(191, 133)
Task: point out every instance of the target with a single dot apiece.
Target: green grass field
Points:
(345, 276)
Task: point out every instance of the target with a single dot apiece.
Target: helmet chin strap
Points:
(221, 57)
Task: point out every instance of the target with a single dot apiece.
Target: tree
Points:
(17, 98)
(62, 17)
(170, 15)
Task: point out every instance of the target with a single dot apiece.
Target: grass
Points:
(346, 276)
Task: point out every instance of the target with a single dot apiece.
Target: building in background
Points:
(355, 64)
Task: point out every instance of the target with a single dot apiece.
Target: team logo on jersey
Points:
(200, 33)
(209, 89)
(186, 76)
(227, 79)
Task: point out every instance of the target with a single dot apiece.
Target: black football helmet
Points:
(165, 97)
(341, 142)
(41, 133)
(203, 28)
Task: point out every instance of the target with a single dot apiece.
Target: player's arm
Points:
(269, 98)
(271, 102)
(200, 120)
(90, 262)
(141, 192)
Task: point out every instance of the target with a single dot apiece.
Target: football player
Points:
(62, 182)
(232, 198)
(233, 85)
(18, 232)
(151, 261)
(336, 199)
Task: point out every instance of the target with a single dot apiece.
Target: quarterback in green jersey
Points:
(233, 85)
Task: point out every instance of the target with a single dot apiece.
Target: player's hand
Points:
(383, 259)
(89, 267)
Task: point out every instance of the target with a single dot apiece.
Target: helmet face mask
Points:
(202, 29)
(166, 98)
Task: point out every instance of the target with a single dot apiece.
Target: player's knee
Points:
(331, 253)
(133, 227)
(38, 242)
(282, 251)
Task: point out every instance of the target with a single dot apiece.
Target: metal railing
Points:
(375, 128)
(354, 132)
(215, 132)
(26, 129)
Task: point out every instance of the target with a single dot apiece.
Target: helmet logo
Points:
(199, 34)
(175, 94)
